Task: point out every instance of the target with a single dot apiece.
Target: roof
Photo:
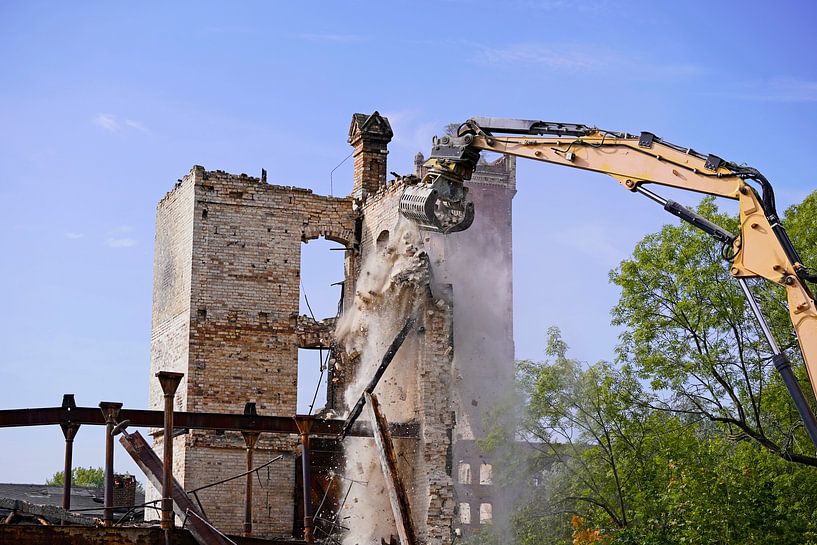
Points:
(85, 500)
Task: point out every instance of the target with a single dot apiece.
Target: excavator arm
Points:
(761, 249)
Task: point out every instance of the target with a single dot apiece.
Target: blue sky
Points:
(104, 105)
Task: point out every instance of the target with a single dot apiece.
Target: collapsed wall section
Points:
(395, 281)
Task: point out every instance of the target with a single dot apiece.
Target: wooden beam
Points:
(394, 484)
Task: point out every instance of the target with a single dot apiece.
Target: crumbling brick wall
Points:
(225, 313)
(226, 294)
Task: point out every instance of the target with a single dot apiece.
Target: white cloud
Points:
(74, 236)
(107, 122)
(112, 242)
(412, 131)
(138, 125)
(111, 123)
(571, 58)
(117, 237)
(583, 58)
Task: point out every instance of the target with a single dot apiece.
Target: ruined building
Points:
(225, 313)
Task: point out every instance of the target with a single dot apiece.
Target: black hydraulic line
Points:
(384, 364)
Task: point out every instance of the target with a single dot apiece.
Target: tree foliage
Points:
(690, 437)
(689, 331)
(80, 476)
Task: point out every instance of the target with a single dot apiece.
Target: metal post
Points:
(250, 438)
(169, 382)
(69, 431)
(304, 425)
(781, 363)
(111, 411)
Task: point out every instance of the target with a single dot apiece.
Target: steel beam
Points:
(141, 418)
(149, 462)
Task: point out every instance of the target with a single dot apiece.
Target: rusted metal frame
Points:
(69, 431)
(148, 461)
(340, 508)
(384, 364)
(142, 418)
(110, 411)
(169, 382)
(400, 506)
(150, 464)
(304, 425)
(250, 439)
(204, 532)
(325, 495)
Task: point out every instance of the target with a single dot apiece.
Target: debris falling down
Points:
(391, 292)
(384, 364)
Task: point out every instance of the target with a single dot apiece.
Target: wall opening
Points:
(485, 474)
(321, 272)
(382, 241)
(312, 380)
(322, 263)
(486, 513)
(464, 473)
(465, 513)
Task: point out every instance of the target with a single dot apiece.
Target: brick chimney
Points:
(370, 136)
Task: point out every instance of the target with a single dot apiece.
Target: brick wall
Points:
(226, 292)
(225, 313)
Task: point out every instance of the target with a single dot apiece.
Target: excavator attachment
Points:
(438, 203)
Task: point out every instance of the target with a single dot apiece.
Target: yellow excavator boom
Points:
(761, 249)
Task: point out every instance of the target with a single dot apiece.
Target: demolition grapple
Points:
(438, 202)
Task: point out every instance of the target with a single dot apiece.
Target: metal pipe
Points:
(306, 464)
(111, 411)
(70, 432)
(169, 382)
(649, 194)
(764, 326)
(783, 366)
(304, 424)
(250, 438)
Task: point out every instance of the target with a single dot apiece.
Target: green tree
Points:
(80, 476)
(612, 470)
(689, 332)
(690, 438)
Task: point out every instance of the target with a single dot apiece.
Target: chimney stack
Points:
(370, 136)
